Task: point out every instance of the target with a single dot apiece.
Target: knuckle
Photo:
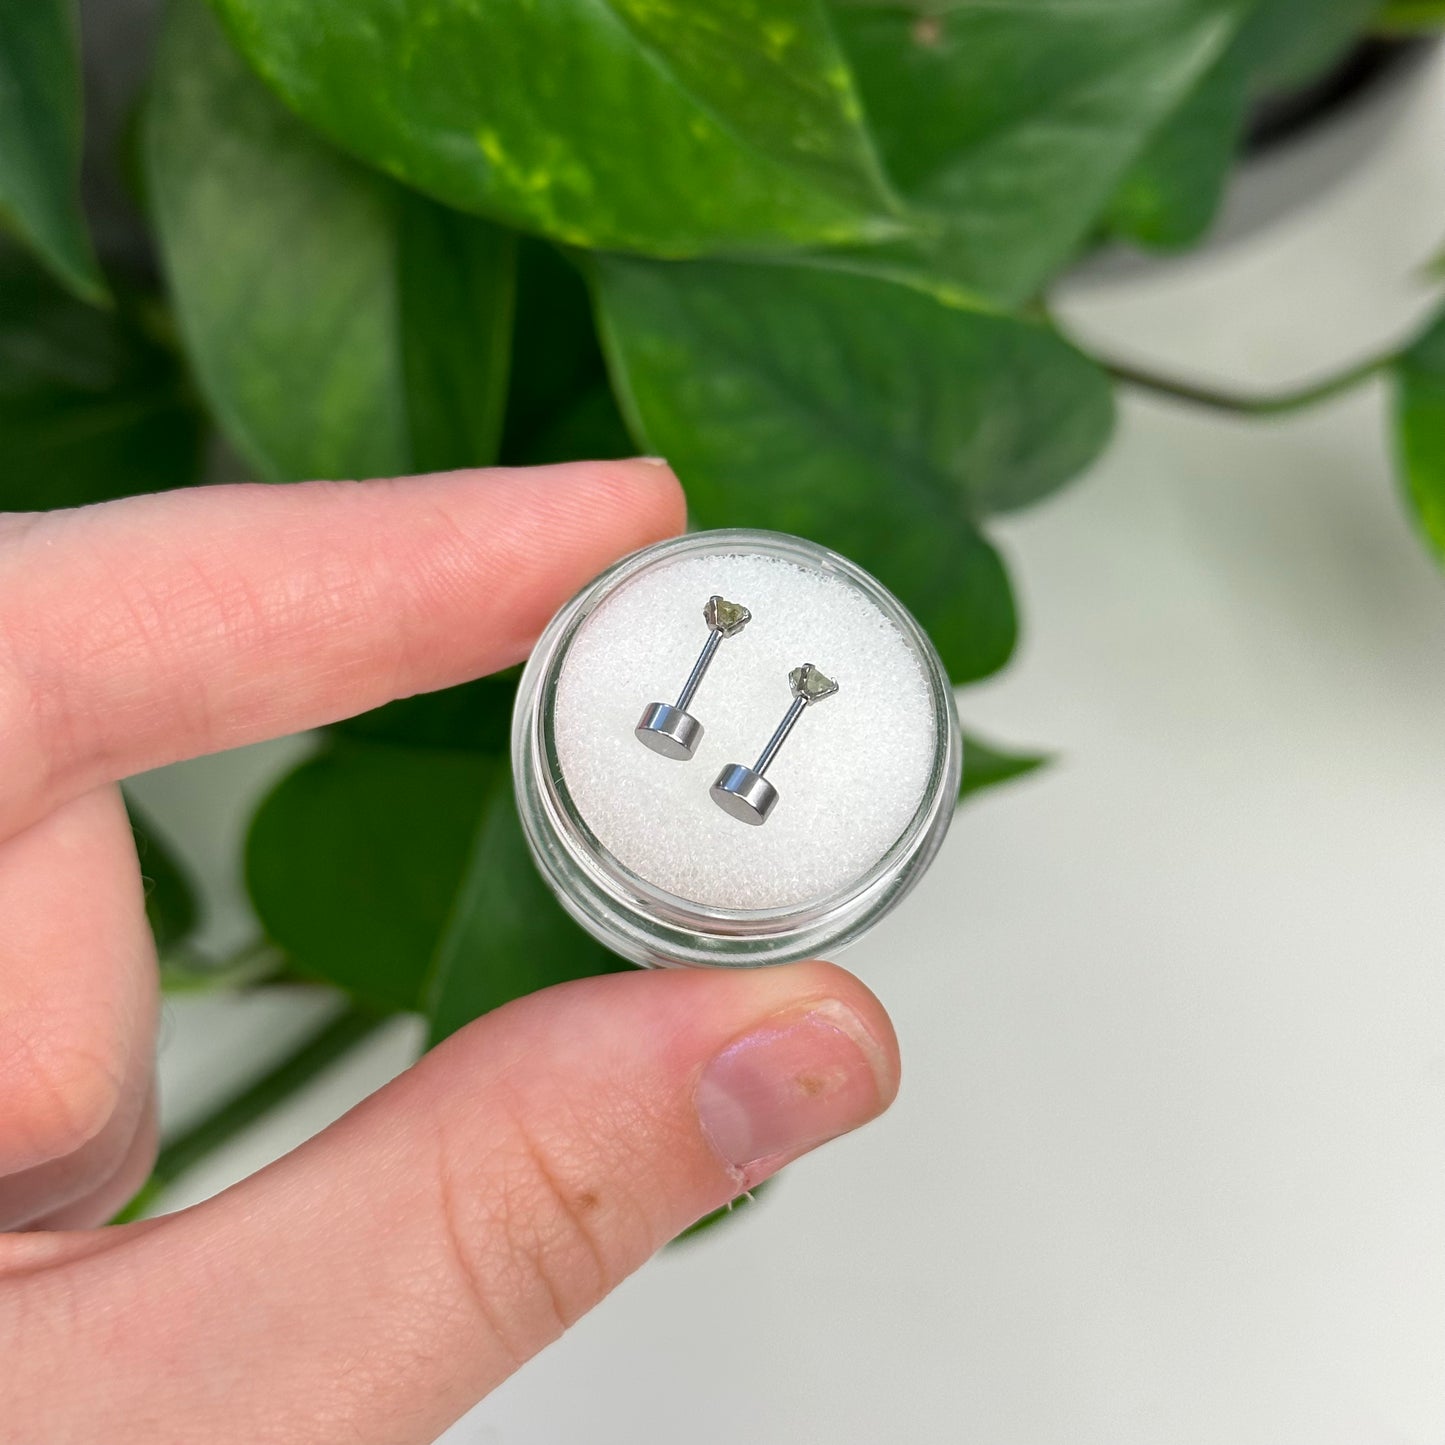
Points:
(536, 1231)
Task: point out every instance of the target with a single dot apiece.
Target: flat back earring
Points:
(744, 793)
(667, 727)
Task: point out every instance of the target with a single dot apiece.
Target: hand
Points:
(372, 1285)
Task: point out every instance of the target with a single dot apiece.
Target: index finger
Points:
(140, 632)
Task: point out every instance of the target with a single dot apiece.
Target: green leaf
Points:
(507, 935)
(986, 766)
(91, 407)
(731, 1210)
(41, 126)
(1407, 17)
(475, 717)
(560, 408)
(1420, 430)
(659, 126)
(589, 428)
(865, 415)
(171, 906)
(457, 279)
(1293, 42)
(1012, 123)
(556, 356)
(400, 874)
(1171, 194)
(354, 860)
(339, 326)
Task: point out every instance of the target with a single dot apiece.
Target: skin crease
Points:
(373, 1284)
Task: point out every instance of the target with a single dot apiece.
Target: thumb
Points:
(375, 1283)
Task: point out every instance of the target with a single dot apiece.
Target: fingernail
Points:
(790, 1084)
(652, 461)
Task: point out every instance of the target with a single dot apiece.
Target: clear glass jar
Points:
(650, 925)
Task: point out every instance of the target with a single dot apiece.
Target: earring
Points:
(668, 728)
(744, 793)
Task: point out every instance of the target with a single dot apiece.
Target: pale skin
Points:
(372, 1285)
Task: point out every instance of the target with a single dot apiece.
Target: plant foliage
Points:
(802, 248)
(1420, 374)
(40, 123)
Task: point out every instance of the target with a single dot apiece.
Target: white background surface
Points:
(1168, 1167)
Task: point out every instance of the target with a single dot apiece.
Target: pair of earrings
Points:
(668, 728)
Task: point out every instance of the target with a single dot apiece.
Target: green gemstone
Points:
(726, 617)
(810, 684)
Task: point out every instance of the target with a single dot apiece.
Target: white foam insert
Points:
(849, 777)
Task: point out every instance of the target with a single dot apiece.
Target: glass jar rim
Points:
(621, 895)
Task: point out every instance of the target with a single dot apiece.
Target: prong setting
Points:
(669, 729)
(744, 792)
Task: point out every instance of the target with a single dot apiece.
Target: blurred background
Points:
(1169, 1160)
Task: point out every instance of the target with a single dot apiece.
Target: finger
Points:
(77, 1004)
(142, 631)
(374, 1284)
(109, 1195)
(71, 1193)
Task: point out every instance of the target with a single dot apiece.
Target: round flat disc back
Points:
(670, 731)
(744, 794)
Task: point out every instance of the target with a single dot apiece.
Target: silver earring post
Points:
(668, 728)
(744, 793)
